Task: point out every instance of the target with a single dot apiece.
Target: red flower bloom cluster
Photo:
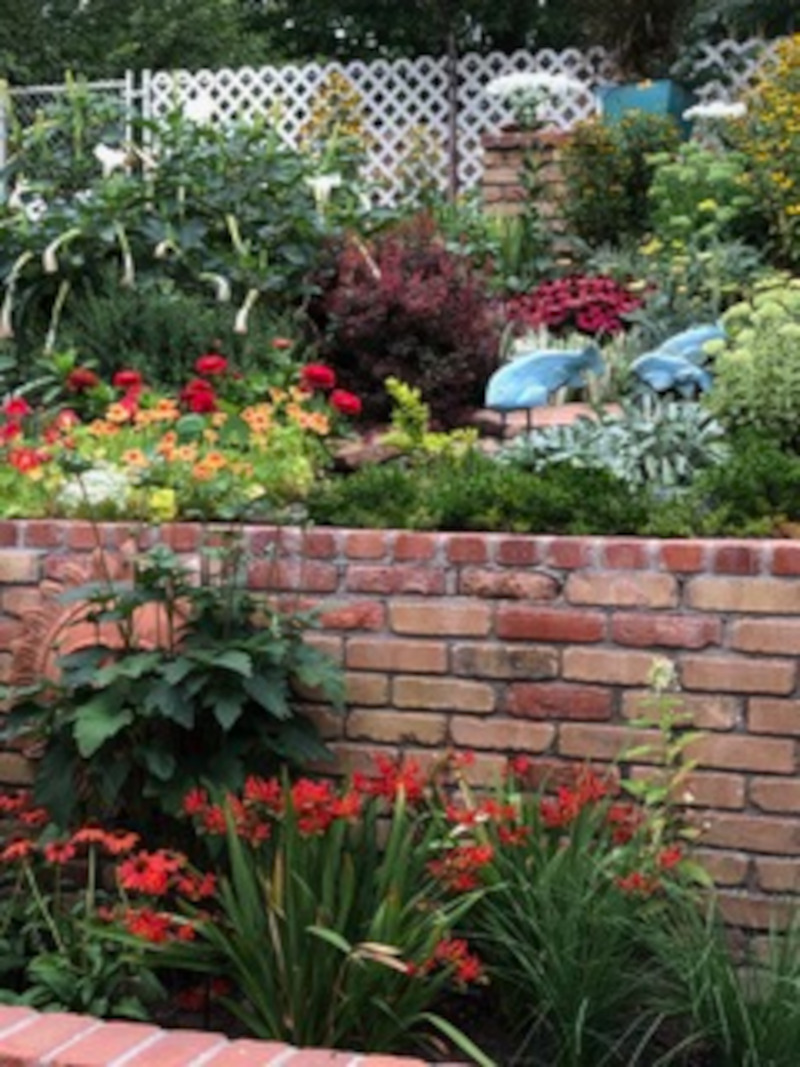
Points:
(151, 873)
(625, 820)
(566, 806)
(16, 407)
(592, 305)
(211, 365)
(460, 867)
(156, 926)
(81, 379)
(199, 397)
(317, 376)
(345, 403)
(638, 883)
(454, 953)
(127, 379)
(392, 776)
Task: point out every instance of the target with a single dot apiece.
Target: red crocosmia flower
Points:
(520, 766)
(266, 791)
(670, 857)
(196, 886)
(11, 803)
(195, 802)
(80, 379)
(35, 817)
(16, 407)
(345, 403)
(59, 852)
(214, 821)
(637, 883)
(149, 925)
(127, 379)
(317, 376)
(149, 872)
(211, 365)
(281, 343)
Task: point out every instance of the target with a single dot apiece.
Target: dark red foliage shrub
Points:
(591, 305)
(405, 306)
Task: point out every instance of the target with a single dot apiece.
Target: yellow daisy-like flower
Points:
(215, 460)
(101, 428)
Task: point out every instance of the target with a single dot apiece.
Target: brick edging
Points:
(58, 1039)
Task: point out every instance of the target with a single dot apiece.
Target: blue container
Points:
(663, 97)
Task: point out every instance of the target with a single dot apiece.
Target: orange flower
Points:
(215, 460)
(101, 428)
(134, 457)
(118, 413)
(186, 453)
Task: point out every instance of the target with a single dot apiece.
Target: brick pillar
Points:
(503, 157)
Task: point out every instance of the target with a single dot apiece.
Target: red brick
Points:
(683, 557)
(329, 644)
(786, 559)
(736, 558)
(742, 753)
(498, 661)
(666, 630)
(569, 553)
(15, 769)
(329, 723)
(775, 794)
(389, 580)
(397, 728)
(182, 536)
(107, 1043)
(754, 913)
(355, 615)
(28, 1044)
(519, 585)
(766, 596)
(605, 742)
(549, 624)
(778, 876)
(414, 546)
(12, 1018)
(467, 548)
(702, 789)
(731, 674)
(19, 568)
(778, 635)
(557, 700)
(319, 544)
(443, 694)
(613, 589)
(387, 654)
(20, 600)
(508, 736)
(42, 533)
(272, 541)
(247, 1053)
(366, 544)
(443, 618)
(371, 689)
(726, 868)
(83, 536)
(612, 667)
(753, 833)
(9, 534)
(517, 552)
(774, 717)
(308, 576)
(707, 710)
(179, 1048)
(625, 555)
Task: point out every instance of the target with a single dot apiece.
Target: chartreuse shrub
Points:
(757, 370)
(188, 681)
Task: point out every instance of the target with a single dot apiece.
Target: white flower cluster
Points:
(534, 82)
(716, 109)
(101, 486)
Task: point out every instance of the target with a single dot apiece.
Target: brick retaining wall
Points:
(507, 644)
(61, 1040)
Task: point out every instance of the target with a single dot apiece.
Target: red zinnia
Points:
(317, 376)
(211, 364)
(81, 379)
(127, 379)
(16, 407)
(345, 403)
(199, 397)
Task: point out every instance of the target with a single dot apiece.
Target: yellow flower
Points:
(162, 505)
(118, 414)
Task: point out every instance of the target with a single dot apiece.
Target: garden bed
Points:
(502, 644)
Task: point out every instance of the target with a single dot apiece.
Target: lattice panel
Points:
(730, 68)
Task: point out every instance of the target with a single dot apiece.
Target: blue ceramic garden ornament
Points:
(529, 380)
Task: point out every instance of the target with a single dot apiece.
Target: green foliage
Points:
(183, 685)
(659, 444)
(741, 1013)
(225, 213)
(608, 171)
(329, 923)
(410, 427)
(757, 370)
(475, 492)
(700, 195)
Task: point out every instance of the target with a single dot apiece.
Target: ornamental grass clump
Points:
(327, 921)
